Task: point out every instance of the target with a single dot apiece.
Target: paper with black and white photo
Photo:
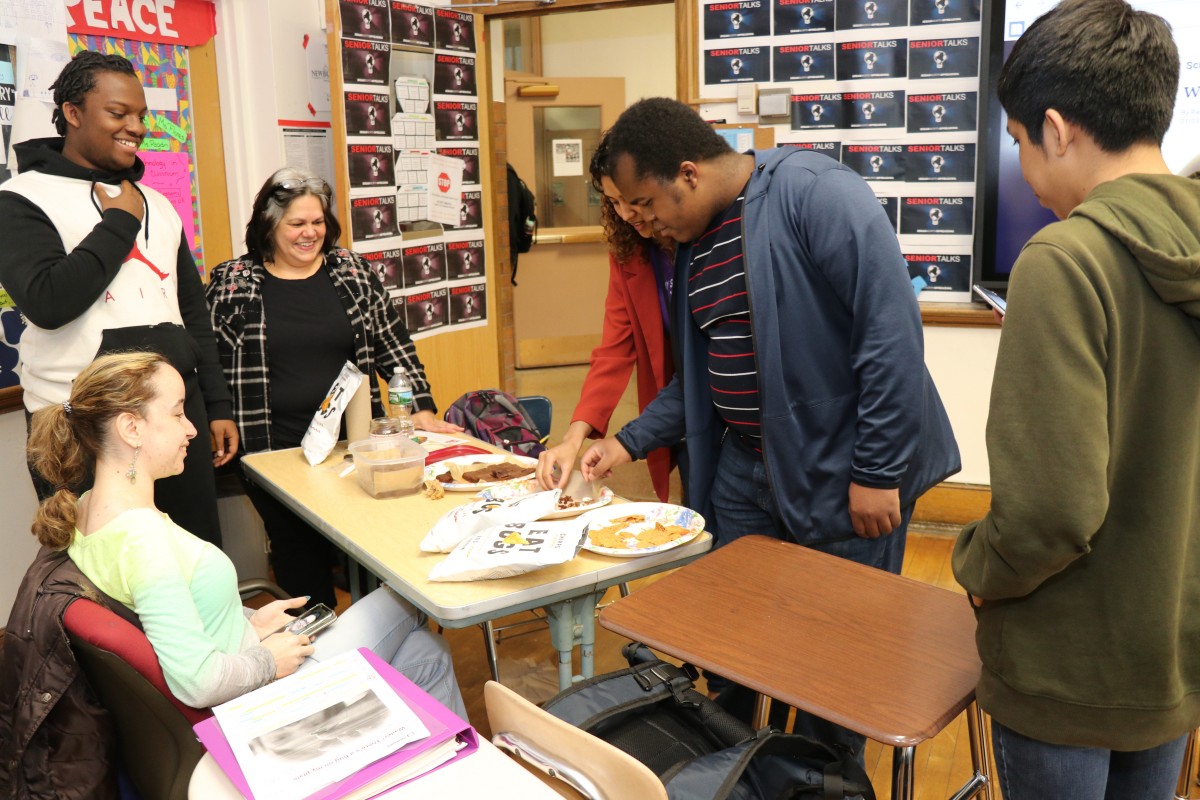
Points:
(317, 726)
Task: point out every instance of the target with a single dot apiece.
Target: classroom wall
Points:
(261, 83)
(637, 44)
(19, 504)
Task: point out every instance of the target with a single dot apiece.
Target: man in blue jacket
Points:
(801, 385)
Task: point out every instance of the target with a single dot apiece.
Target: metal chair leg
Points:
(1183, 789)
(981, 782)
(490, 644)
(624, 588)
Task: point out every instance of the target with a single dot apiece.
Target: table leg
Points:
(574, 621)
(902, 773)
(977, 729)
(354, 572)
(762, 711)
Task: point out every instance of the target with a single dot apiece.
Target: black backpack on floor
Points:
(699, 751)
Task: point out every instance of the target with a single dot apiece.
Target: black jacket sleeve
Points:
(194, 310)
(51, 286)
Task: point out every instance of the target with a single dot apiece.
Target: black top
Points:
(309, 339)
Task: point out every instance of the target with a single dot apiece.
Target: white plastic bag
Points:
(322, 433)
(459, 523)
(506, 550)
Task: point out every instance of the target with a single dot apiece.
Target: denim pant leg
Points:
(1028, 769)
(391, 628)
(741, 496)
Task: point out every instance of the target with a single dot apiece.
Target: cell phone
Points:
(311, 620)
(991, 298)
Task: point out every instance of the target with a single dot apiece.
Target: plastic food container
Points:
(388, 467)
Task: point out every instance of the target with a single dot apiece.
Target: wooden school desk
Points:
(882, 655)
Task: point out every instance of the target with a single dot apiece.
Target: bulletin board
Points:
(408, 152)
(889, 88)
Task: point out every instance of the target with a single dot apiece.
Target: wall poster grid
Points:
(410, 95)
(888, 87)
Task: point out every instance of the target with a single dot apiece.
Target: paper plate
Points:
(433, 470)
(511, 489)
(652, 513)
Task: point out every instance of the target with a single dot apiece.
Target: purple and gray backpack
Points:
(499, 419)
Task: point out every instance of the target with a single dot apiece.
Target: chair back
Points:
(157, 746)
(569, 760)
(541, 412)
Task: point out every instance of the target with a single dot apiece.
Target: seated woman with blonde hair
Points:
(125, 421)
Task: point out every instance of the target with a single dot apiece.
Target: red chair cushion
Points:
(96, 625)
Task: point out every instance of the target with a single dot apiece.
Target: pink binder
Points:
(443, 724)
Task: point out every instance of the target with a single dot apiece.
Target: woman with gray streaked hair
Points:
(288, 314)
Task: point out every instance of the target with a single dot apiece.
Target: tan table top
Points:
(886, 656)
(383, 536)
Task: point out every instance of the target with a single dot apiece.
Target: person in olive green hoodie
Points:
(1086, 571)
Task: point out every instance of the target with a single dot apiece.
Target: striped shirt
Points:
(721, 308)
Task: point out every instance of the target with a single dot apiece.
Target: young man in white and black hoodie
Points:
(97, 263)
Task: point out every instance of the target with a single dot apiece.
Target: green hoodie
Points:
(1089, 560)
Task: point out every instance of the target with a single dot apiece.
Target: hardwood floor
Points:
(527, 664)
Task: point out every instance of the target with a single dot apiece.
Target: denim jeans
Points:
(744, 504)
(393, 629)
(1028, 769)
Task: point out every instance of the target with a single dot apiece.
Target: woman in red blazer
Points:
(641, 275)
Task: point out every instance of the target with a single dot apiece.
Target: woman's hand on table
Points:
(428, 421)
(602, 457)
(289, 651)
(274, 616)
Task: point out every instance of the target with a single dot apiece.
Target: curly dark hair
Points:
(623, 239)
(1108, 68)
(78, 78)
(660, 134)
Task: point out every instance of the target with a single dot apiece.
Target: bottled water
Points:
(400, 395)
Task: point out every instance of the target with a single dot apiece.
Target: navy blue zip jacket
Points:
(844, 391)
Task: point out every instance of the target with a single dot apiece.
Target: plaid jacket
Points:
(381, 342)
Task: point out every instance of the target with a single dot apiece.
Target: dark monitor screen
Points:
(1008, 213)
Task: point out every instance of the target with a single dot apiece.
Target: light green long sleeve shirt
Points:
(184, 590)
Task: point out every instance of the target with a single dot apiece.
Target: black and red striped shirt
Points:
(721, 308)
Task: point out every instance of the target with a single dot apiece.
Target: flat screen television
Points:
(1007, 213)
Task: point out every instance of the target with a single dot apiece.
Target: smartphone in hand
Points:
(991, 298)
(312, 620)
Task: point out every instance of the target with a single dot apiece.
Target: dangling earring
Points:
(131, 473)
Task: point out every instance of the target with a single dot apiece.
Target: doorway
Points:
(580, 70)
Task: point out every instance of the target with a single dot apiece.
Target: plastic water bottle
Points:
(400, 400)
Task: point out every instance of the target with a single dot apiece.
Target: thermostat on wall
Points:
(774, 102)
(747, 98)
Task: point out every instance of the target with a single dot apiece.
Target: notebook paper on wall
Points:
(448, 739)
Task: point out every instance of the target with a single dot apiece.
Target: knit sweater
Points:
(1088, 563)
(184, 590)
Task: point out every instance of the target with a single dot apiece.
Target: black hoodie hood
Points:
(45, 155)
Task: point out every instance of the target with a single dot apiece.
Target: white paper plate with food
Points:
(639, 529)
(569, 505)
(474, 472)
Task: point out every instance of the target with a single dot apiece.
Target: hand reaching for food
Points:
(602, 457)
